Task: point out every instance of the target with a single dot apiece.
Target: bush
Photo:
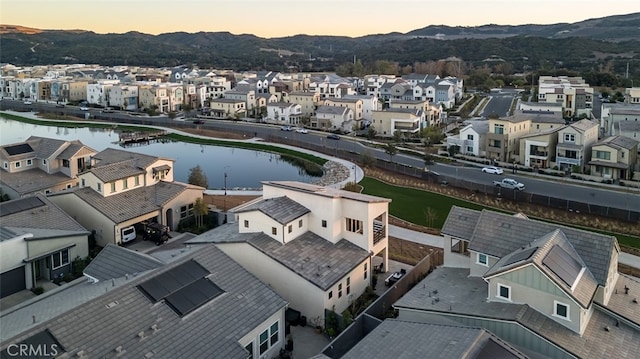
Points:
(37, 290)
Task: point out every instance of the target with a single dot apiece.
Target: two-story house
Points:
(38, 242)
(42, 165)
(613, 113)
(247, 96)
(614, 157)
(154, 95)
(632, 95)
(124, 97)
(369, 104)
(313, 245)
(283, 113)
(547, 289)
(573, 93)
(405, 120)
(538, 149)
(228, 108)
(308, 101)
(472, 138)
(573, 150)
(124, 188)
(333, 118)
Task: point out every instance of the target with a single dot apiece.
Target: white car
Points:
(285, 128)
(302, 130)
(27, 102)
(84, 108)
(493, 169)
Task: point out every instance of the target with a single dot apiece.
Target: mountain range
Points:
(588, 44)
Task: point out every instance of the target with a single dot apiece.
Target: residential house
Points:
(262, 100)
(547, 289)
(248, 96)
(538, 149)
(308, 101)
(283, 113)
(431, 117)
(630, 129)
(369, 104)
(354, 104)
(472, 138)
(124, 188)
(575, 95)
(154, 95)
(445, 94)
(42, 165)
(408, 121)
(216, 86)
(331, 85)
(373, 83)
(176, 94)
(38, 242)
(503, 135)
(313, 245)
(333, 118)
(98, 93)
(614, 158)
(573, 150)
(632, 95)
(228, 108)
(124, 97)
(613, 113)
(202, 304)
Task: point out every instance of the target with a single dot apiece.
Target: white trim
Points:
(498, 287)
(478, 254)
(575, 282)
(555, 312)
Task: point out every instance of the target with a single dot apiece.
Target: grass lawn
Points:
(410, 204)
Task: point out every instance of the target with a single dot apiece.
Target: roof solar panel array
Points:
(520, 256)
(18, 149)
(562, 264)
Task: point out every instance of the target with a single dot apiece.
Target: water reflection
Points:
(245, 168)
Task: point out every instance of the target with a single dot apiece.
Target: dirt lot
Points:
(227, 202)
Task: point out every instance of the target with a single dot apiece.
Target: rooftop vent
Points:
(112, 304)
(142, 336)
(155, 328)
(81, 354)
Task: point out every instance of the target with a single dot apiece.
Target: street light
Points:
(225, 183)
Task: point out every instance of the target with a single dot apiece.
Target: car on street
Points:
(60, 105)
(84, 108)
(493, 169)
(302, 130)
(285, 128)
(27, 102)
(333, 136)
(509, 183)
(108, 110)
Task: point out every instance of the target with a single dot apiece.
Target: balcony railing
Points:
(379, 232)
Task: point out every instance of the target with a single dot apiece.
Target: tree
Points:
(198, 177)
(397, 136)
(367, 159)
(200, 209)
(431, 215)
(391, 150)
(432, 135)
(371, 132)
(428, 159)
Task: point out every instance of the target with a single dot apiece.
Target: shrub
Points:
(37, 290)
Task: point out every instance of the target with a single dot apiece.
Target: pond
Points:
(243, 168)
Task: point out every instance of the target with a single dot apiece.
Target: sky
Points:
(280, 18)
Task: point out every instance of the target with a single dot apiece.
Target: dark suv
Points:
(156, 232)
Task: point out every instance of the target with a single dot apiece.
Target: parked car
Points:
(156, 232)
(27, 102)
(493, 169)
(285, 128)
(84, 108)
(302, 130)
(333, 136)
(509, 183)
(108, 110)
(60, 105)
(128, 234)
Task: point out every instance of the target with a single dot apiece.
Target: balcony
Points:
(379, 232)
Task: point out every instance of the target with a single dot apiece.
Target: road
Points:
(499, 103)
(627, 199)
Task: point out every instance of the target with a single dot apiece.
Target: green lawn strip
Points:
(71, 124)
(410, 204)
(247, 145)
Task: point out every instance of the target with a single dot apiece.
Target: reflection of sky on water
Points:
(244, 168)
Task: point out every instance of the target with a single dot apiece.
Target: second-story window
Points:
(324, 223)
(340, 290)
(300, 224)
(274, 231)
(354, 225)
(99, 187)
(29, 162)
(125, 183)
(137, 181)
(290, 228)
(113, 187)
(246, 223)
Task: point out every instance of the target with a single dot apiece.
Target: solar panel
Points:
(521, 256)
(172, 280)
(18, 149)
(562, 264)
(193, 296)
(44, 340)
(19, 205)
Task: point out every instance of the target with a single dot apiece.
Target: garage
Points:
(12, 281)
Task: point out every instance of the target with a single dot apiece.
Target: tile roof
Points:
(395, 339)
(45, 147)
(539, 116)
(113, 155)
(325, 191)
(133, 203)
(631, 126)
(332, 110)
(281, 209)
(460, 222)
(460, 294)
(498, 234)
(618, 142)
(622, 303)
(116, 318)
(47, 217)
(34, 180)
(583, 125)
(115, 171)
(319, 261)
(115, 262)
(540, 250)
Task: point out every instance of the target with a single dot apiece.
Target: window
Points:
(113, 187)
(470, 137)
(18, 164)
(330, 294)
(29, 162)
(290, 228)
(348, 285)
(264, 341)
(269, 338)
(125, 183)
(99, 187)
(365, 271)
(504, 292)
(6, 165)
(83, 183)
(274, 333)
(340, 290)
(569, 137)
(560, 310)
(324, 223)
(605, 155)
(246, 223)
(498, 129)
(60, 259)
(354, 225)
(137, 180)
(482, 259)
(65, 163)
(44, 162)
(274, 231)
(300, 224)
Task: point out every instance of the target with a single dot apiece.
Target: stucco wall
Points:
(87, 216)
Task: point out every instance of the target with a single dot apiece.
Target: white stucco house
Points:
(284, 113)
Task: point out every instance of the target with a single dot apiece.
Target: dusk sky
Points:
(278, 18)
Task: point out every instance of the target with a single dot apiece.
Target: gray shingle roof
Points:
(48, 217)
(460, 294)
(73, 149)
(498, 234)
(115, 262)
(45, 147)
(313, 257)
(281, 209)
(114, 155)
(583, 125)
(584, 290)
(461, 222)
(133, 203)
(216, 327)
(115, 171)
(331, 110)
(618, 142)
(34, 180)
(402, 339)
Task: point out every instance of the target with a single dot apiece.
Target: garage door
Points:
(12, 282)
